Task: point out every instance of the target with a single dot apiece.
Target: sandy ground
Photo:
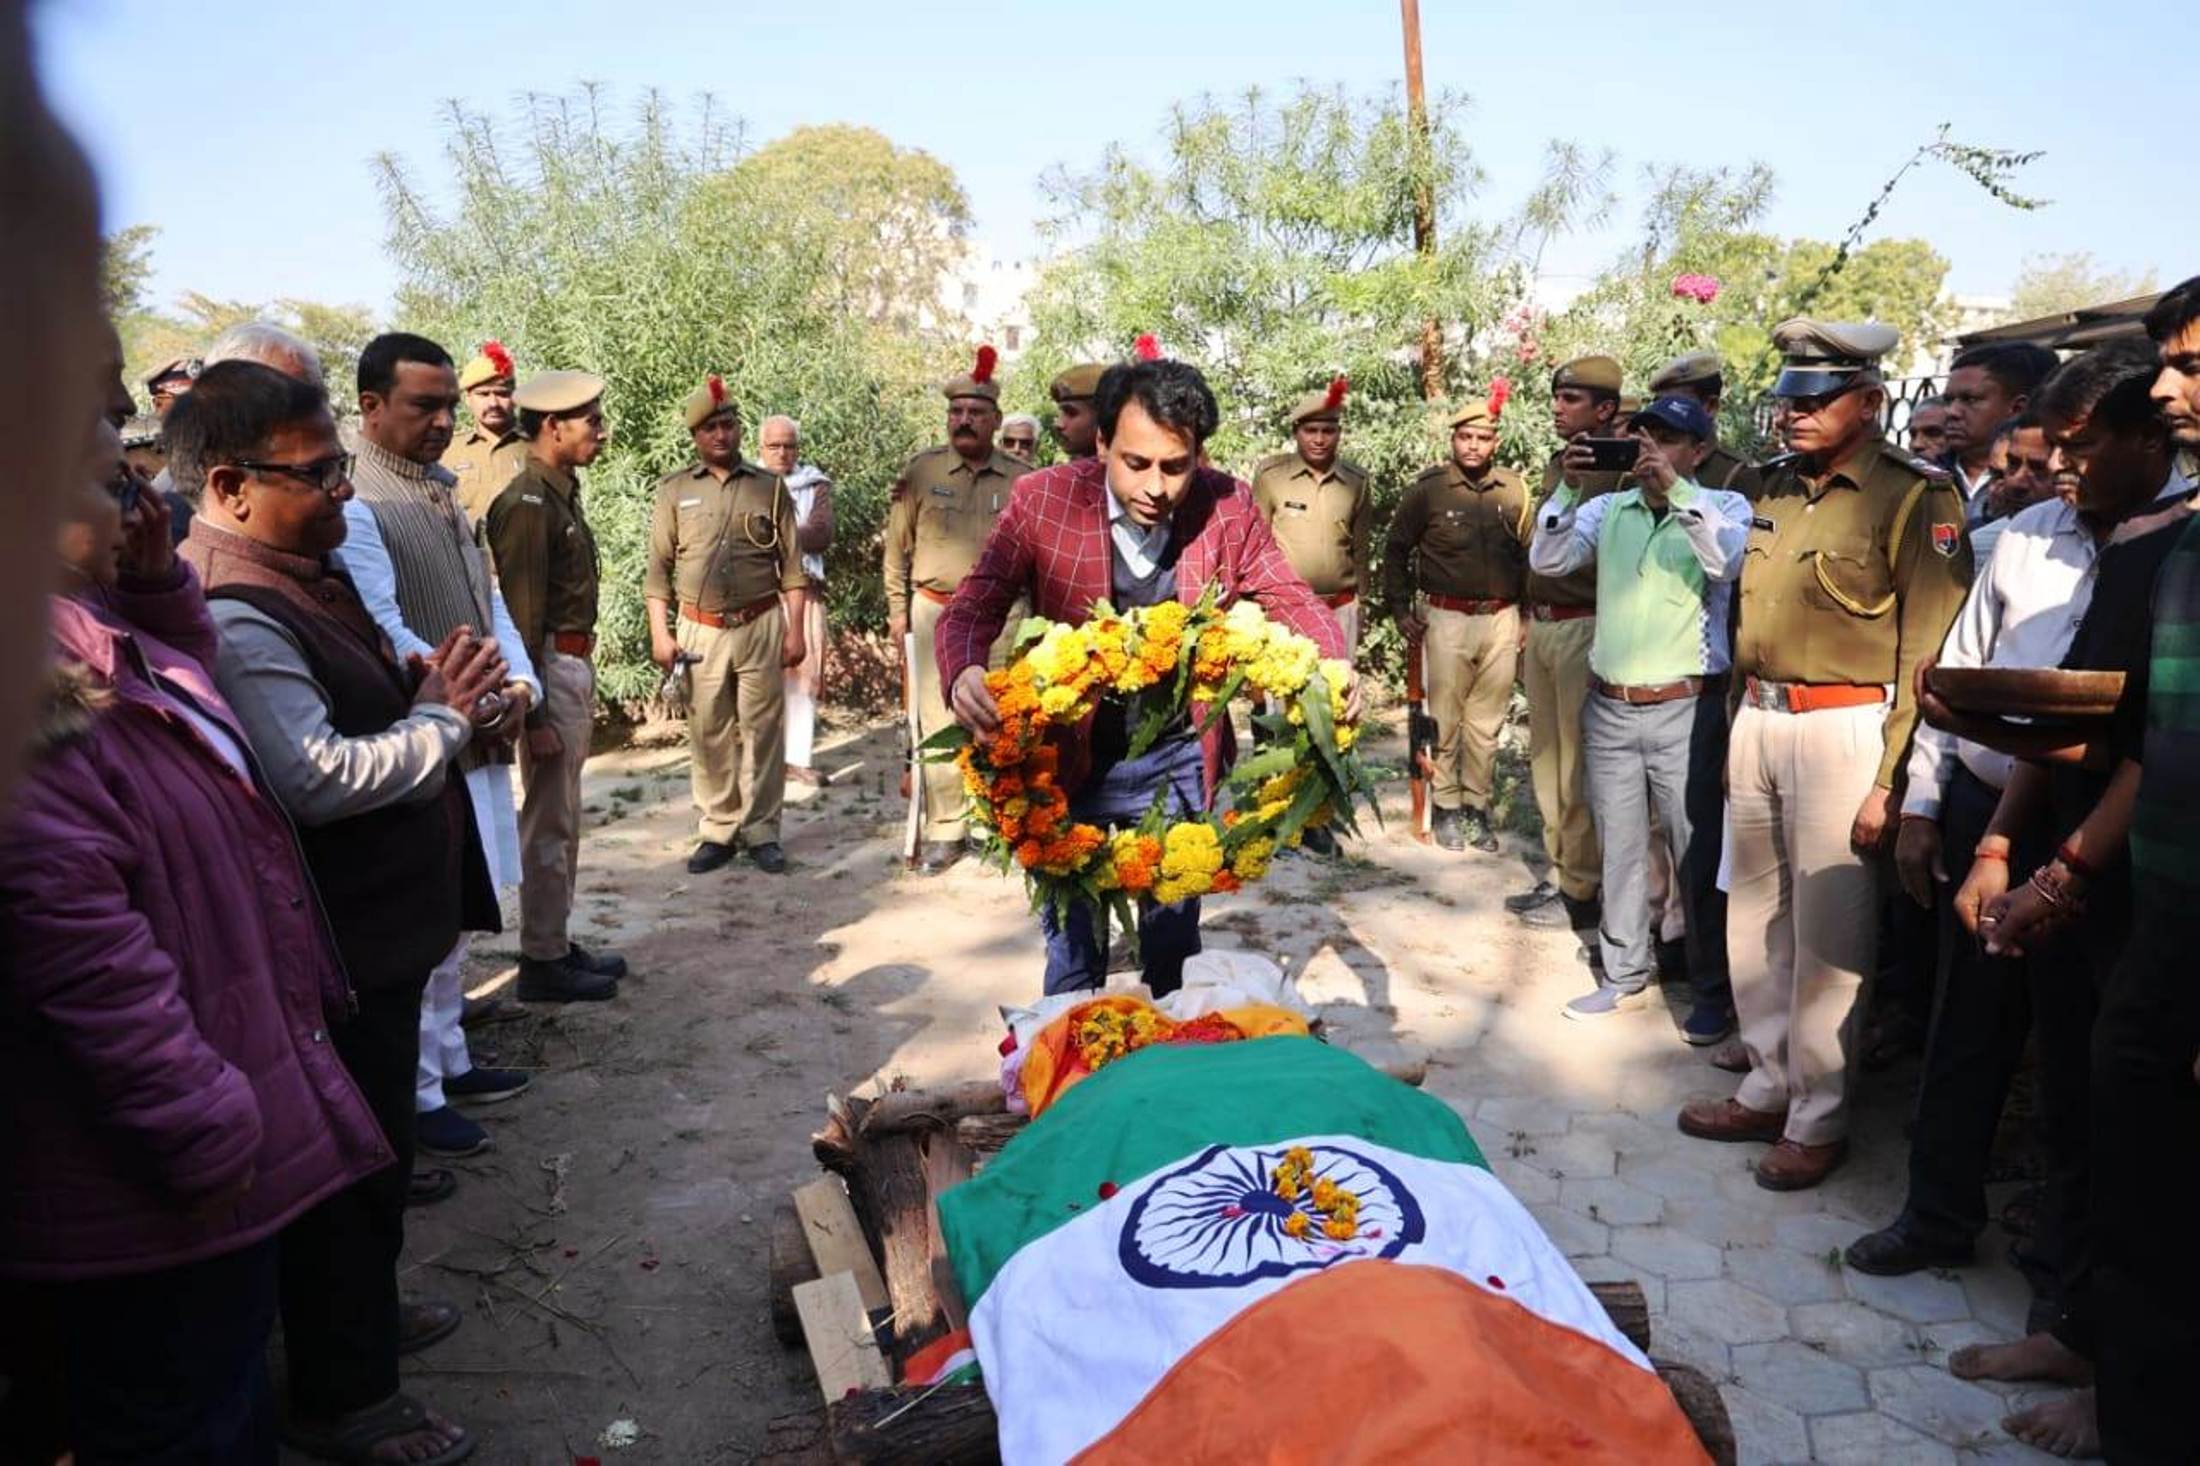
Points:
(610, 1250)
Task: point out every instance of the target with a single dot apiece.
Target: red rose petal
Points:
(1107, 1189)
(1497, 1282)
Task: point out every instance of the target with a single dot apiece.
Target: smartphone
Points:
(1612, 455)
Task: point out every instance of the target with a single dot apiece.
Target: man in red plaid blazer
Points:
(1139, 524)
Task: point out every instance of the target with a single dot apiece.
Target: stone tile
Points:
(1925, 1297)
(1802, 1379)
(1952, 1411)
(1530, 1186)
(1666, 1251)
(1630, 1135)
(1576, 1156)
(1709, 1217)
(1609, 1269)
(1665, 1174)
(1741, 1185)
(1764, 1431)
(1999, 1295)
(1497, 1120)
(1943, 1339)
(1613, 1202)
(1869, 1439)
(1677, 1341)
(1782, 1275)
(1725, 1310)
(1572, 1233)
(1818, 1234)
(1855, 1334)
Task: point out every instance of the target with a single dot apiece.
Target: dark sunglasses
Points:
(324, 474)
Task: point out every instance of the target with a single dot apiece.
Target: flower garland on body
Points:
(1167, 661)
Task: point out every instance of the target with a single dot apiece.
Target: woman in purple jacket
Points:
(166, 988)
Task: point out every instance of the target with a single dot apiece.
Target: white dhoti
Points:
(442, 1037)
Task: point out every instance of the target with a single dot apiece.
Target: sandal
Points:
(430, 1185)
(351, 1439)
(422, 1324)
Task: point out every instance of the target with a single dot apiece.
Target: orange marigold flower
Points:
(1029, 853)
(1297, 1225)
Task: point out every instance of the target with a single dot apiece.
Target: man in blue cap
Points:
(1667, 552)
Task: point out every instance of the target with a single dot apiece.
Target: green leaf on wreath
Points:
(942, 746)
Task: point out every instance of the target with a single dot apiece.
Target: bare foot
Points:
(2035, 1356)
(2068, 1425)
(435, 1436)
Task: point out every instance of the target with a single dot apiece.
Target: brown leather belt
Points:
(1341, 599)
(1809, 697)
(1469, 605)
(739, 616)
(936, 597)
(573, 643)
(1561, 613)
(1650, 694)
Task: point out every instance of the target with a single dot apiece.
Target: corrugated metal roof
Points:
(2070, 330)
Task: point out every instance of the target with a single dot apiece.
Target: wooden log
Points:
(802, 1439)
(937, 1109)
(953, 1426)
(836, 1239)
(885, 1176)
(986, 1134)
(791, 1265)
(843, 1349)
(1699, 1400)
(947, 1164)
(1629, 1310)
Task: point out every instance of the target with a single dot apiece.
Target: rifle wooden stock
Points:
(912, 777)
(1418, 762)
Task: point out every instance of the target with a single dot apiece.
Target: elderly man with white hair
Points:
(779, 450)
(270, 346)
(1020, 436)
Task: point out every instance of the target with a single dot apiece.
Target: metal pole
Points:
(1424, 199)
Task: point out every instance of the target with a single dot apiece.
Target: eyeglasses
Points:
(325, 474)
(1013, 444)
(1819, 402)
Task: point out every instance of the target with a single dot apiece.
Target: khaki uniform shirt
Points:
(483, 466)
(1854, 578)
(545, 555)
(1464, 537)
(1323, 521)
(942, 512)
(1723, 470)
(1577, 588)
(722, 544)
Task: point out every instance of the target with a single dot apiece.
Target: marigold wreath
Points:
(1173, 663)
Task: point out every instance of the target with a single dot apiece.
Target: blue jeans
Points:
(1167, 935)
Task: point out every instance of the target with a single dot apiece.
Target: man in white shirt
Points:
(411, 553)
(2023, 608)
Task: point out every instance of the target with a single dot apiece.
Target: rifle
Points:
(1420, 741)
(912, 776)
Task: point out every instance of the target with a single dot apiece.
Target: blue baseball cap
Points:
(1682, 414)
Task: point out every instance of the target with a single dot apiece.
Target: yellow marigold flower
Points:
(1059, 702)
(1325, 1194)
(1297, 1225)
(1300, 1156)
(1251, 861)
(1287, 1185)
(1339, 1230)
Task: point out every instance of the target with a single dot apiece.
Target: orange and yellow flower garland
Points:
(1167, 660)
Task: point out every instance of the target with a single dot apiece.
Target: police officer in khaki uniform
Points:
(722, 546)
(1855, 566)
(170, 380)
(1454, 564)
(487, 454)
(944, 506)
(1075, 426)
(1701, 375)
(1319, 507)
(1562, 609)
(546, 566)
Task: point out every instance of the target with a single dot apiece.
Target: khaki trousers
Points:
(550, 807)
(1555, 675)
(1348, 617)
(1468, 662)
(943, 788)
(737, 728)
(1802, 923)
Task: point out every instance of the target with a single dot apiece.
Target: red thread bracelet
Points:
(2077, 864)
(1982, 853)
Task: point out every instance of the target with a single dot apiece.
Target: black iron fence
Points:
(1903, 396)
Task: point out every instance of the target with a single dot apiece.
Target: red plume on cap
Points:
(716, 386)
(498, 357)
(1501, 390)
(1147, 347)
(988, 358)
(1338, 386)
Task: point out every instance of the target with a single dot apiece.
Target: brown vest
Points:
(399, 883)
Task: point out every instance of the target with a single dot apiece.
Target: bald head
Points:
(270, 346)
(779, 444)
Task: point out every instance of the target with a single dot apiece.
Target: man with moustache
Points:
(1987, 385)
(1928, 429)
(484, 457)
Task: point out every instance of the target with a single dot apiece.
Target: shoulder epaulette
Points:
(1925, 468)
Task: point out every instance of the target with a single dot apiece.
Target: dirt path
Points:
(610, 1250)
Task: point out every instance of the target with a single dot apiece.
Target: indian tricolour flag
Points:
(1140, 1291)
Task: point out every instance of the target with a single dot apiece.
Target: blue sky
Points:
(245, 130)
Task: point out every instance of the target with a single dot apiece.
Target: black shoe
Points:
(1475, 827)
(1567, 913)
(603, 964)
(563, 981)
(1543, 895)
(938, 855)
(1892, 1251)
(708, 856)
(769, 858)
(1443, 828)
(1319, 841)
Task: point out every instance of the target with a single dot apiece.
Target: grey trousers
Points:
(1669, 756)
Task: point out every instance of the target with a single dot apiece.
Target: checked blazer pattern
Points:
(1051, 543)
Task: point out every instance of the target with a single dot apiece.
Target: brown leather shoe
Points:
(1793, 1166)
(1729, 1120)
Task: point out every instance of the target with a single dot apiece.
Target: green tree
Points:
(643, 255)
(2048, 285)
(886, 223)
(126, 268)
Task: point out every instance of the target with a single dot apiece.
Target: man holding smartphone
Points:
(1555, 655)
